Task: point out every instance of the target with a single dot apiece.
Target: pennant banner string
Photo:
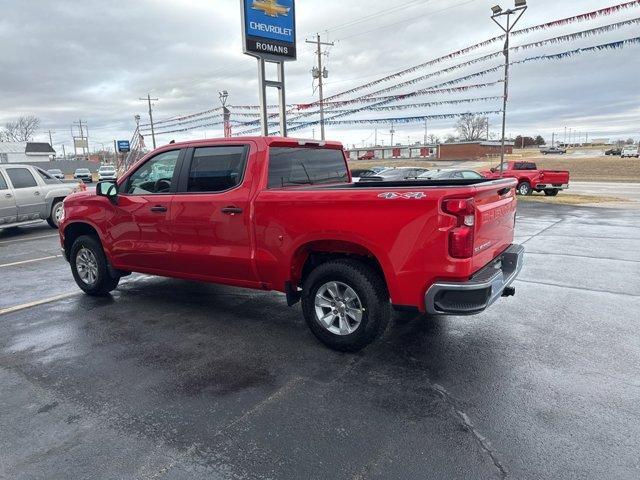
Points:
(564, 21)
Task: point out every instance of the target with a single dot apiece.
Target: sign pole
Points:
(262, 81)
(283, 102)
(269, 34)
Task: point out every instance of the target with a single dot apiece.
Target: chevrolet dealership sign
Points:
(269, 29)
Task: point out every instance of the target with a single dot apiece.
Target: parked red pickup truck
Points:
(531, 179)
(282, 214)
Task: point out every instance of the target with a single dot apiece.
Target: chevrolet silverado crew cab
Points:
(531, 179)
(282, 214)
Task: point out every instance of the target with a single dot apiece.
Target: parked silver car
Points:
(29, 194)
(56, 172)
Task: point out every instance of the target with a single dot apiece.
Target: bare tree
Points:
(21, 130)
(471, 127)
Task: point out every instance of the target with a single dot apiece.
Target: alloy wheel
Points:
(338, 308)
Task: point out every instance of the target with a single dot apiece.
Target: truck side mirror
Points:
(493, 170)
(108, 190)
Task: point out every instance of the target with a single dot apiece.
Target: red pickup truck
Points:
(531, 179)
(282, 214)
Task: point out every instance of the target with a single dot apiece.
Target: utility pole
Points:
(425, 132)
(50, 139)
(226, 113)
(375, 142)
(553, 140)
(320, 73)
(313, 133)
(64, 153)
(153, 133)
(392, 131)
(520, 8)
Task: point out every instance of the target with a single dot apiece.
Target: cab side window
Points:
(21, 178)
(216, 169)
(154, 177)
(471, 175)
(3, 183)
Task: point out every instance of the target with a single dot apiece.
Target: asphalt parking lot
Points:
(170, 379)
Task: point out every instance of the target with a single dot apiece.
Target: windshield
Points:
(107, 169)
(82, 170)
(306, 166)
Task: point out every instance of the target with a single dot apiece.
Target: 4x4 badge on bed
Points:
(407, 195)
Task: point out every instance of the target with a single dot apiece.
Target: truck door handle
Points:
(231, 210)
(159, 209)
(8, 195)
(504, 191)
(36, 193)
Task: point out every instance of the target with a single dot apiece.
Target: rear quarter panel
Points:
(408, 236)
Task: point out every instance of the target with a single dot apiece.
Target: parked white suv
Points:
(630, 151)
(107, 172)
(29, 194)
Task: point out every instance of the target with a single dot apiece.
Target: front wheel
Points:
(551, 192)
(346, 304)
(524, 188)
(89, 267)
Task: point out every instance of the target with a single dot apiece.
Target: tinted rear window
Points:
(21, 178)
(306, 166)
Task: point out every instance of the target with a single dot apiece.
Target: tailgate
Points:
(554, 176)
(495, 205)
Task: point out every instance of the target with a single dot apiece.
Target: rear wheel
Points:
(89, 267)
(346, 304)
(56, 214)
(551, 192)
(524, 188)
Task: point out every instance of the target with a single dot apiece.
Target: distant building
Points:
(26, 152)
(472, 150)
(398, 152)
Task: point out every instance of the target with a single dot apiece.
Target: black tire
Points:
(372, 294)
(104, 282)
(53, 219)
(551, 192)
(524, 188)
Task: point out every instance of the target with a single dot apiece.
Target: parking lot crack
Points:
(483, 442)
(543, 230)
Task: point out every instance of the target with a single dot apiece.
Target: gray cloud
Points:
(66, 60)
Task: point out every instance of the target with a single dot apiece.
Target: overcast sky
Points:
(66, 59)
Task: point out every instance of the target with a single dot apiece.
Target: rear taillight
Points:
(461, 237)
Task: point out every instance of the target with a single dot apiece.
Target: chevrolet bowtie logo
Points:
(270, 7)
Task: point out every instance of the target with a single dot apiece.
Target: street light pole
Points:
(520, 8)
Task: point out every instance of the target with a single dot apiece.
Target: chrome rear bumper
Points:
(478, 293)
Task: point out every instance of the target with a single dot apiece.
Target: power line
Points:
(408, 20)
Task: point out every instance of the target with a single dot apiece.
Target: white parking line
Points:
(38, 302)
(4, 242)
(29, 261)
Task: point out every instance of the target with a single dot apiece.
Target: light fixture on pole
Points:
(518, 11)
(226, 114)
